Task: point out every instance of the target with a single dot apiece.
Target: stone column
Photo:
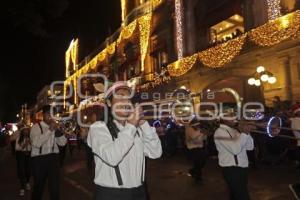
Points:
(260, 12)
(190, 27)
(248, 14)
(286, 64)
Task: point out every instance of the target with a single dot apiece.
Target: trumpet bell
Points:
(68, 126)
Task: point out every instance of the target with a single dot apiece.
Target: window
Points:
(227, 29)
(160, 60)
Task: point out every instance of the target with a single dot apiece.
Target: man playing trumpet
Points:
(232, 146)
(120, 145)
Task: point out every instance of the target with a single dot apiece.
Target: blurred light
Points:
(85, 117)
(208, 90)
(251, 81)
(14, 128)
(260, 69)
(183, 87)
(257, 83)
(18, 115)
(264, 77)
(272, 80)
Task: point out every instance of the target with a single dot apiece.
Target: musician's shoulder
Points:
(98, 124)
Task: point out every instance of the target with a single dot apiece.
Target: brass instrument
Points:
(67, 126)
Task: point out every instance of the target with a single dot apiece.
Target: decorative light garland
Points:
(111, 49)
(222, 54)
(182, 66)
(179, 27)
(276, 31)
(144, 28)
(127, 31)
(274, 9)
(71, 56)
(65, 93)
(156, 3)
(101, 56)
(123, 9)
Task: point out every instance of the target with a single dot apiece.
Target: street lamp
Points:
(260, 76)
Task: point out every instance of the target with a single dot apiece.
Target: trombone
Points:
(181, 108)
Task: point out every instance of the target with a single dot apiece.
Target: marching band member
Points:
(232, 149)
(120, 147)
(195, 143)
(45, 138)
(23, 150)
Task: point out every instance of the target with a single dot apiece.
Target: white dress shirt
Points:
(295, 124)
(128, 151)
(23, 146)
(46, 140)
(230, 143)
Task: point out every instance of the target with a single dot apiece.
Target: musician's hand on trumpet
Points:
(135, 117)
(53, 125)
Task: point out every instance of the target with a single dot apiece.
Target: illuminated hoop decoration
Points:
(271, 133)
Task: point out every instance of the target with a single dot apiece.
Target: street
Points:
(166, 178)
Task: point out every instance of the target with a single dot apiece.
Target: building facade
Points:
(203, 45)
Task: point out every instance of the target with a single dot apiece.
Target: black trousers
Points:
(104, 193)
(23, 167)
(46, 167)
(237, 181)
(89, 156)
(198, 156)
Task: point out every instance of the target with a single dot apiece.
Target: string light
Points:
(123, 9)
(127, 31)
(277, 30)
(182, 66)
(156, 3)
(75, 91)
(222, 54)
(101, 56)
(274, 9)
(111, 49)
(65, 94)
(179, 27)
(71, 56)
(144, 28)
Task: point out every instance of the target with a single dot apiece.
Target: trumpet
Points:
(180, 105)
(67, 126)
(182, 109)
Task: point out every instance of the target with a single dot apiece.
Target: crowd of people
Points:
(117, 149)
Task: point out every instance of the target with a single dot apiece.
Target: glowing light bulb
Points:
(251, 81)
(257, 83)
(264, 77)
(260, 69)
(272, 80)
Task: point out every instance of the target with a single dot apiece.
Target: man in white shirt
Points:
(232, 149)
(45, 138)
(120, 147)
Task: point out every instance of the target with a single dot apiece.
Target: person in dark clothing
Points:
(23, 150)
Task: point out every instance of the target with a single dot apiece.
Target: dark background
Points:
(34, 37)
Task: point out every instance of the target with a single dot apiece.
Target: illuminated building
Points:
(204, 45)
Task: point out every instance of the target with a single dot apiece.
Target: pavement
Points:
(166, 179)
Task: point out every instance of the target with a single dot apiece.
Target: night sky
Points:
(34, 37)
